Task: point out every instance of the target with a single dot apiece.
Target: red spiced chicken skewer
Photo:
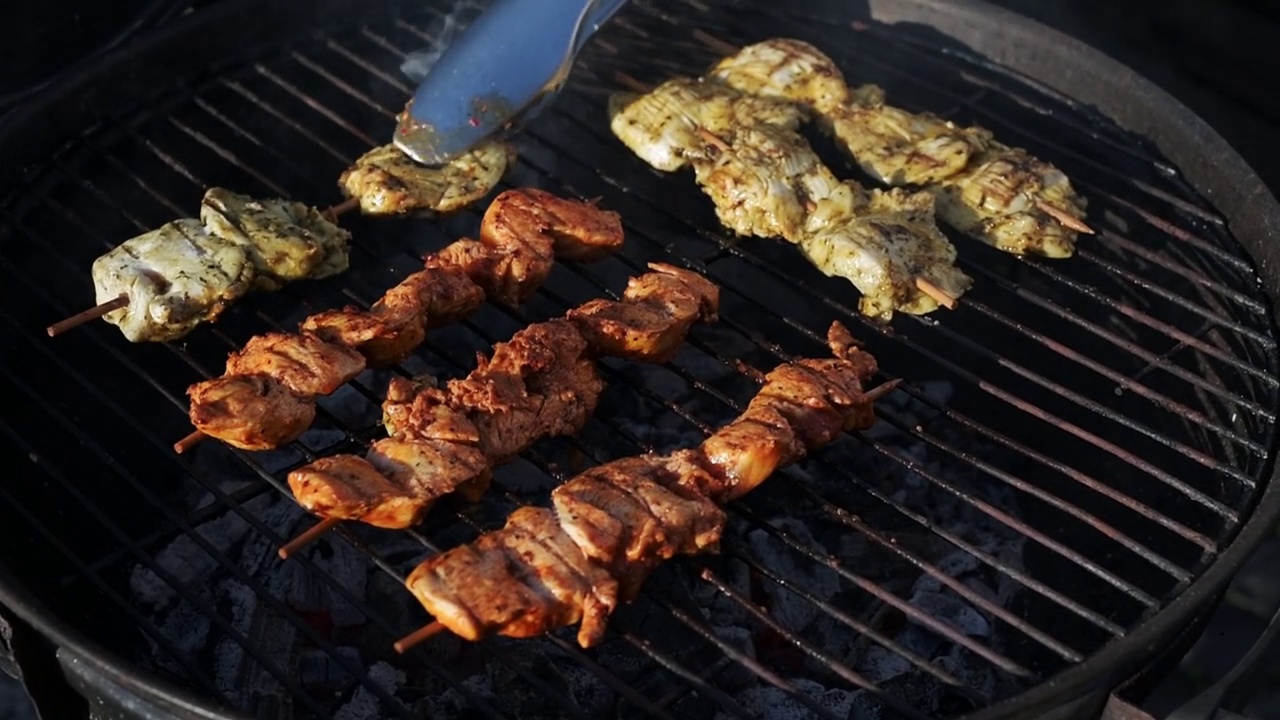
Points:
(267, 395)
(544, 382)
(610, 526)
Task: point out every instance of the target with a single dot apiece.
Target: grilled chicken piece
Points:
(882, 242)
(250, 412)
(1000, 195)
(627, 516)
(287, 241)
(541, 383)
(664, 126)
(301, 362)
(1014, 202)
(176, 277)
(526, 579)
(394, 487)
(388, 182)
(657, 312)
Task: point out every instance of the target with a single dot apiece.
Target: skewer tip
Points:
(1068, 220)
(85, 316)
(307, 537)
(936, 293)
(419, 636)
(189, 441)
(879, 391)
(714, 140)
(332, 213)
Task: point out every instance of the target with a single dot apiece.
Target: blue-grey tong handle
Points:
(508, 64)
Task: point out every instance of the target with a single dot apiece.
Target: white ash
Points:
(911, 411)
(364, 703)
(790, 610)
(953, 611)
(878, 664)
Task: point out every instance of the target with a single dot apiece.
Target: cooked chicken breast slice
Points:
(250, 412)
(388, 182)
(302, 362)
(286, 240)
(176, 277)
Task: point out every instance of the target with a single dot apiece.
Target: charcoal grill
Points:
(1078, 459)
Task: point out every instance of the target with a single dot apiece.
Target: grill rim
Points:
(1037, 52)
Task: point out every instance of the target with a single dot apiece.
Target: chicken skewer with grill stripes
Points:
(267, 394)
(159, 286)
(609, 527)
(1000, 195)
(764, 179)
(542, 383)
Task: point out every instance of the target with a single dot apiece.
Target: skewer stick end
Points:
(936, 293)
(332, 213)
(419, 636)
(85, 316)
(713, 139)
(189, 441)
(879, 391)
(1067, 220)
(307, 537)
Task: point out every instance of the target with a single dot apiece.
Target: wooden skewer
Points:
(85, 316)
(936, 293)
(879, 391)
(348, 204)
(307, 537)
(419, 636)
(189, 441)
(1070, 221)
(714, 140)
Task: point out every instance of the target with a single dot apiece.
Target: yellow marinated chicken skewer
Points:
(766, 181)
(160, 285)
(1000, 195)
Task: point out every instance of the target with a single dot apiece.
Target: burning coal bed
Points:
(339, 590)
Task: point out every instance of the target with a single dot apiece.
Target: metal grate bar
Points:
(199, 602)
(658, 209)
(102, 584)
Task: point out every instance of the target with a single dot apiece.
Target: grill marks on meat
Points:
(765, 180)
(543, 382)
(625, 517)
(995, 193)
(521, 234)
(188, 271)
(385, 181)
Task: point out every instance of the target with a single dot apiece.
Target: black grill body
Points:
(1079, 457)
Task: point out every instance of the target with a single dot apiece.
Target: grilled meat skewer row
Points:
(610, 526)
(159, 286)
(267, 393)
(765, 180)
(542, 383)
(1000, 195)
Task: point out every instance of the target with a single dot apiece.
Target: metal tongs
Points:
(507, 66)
